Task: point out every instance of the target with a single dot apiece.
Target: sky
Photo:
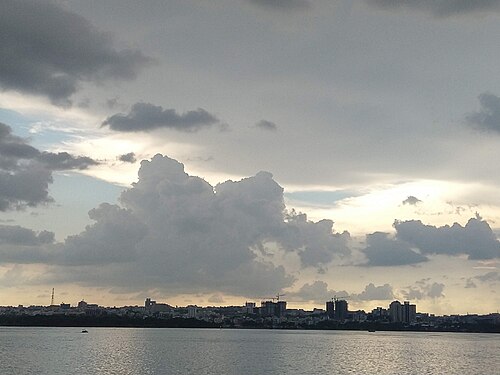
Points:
(217, 152)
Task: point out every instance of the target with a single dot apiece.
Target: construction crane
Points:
(275, 298)
(278, 296)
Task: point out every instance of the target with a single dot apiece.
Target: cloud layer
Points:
(26, 172)
(147, 117)
(440, 8)
(48, 50)
(177, 232)
(488, 117)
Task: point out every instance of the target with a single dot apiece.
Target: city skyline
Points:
(230, 150)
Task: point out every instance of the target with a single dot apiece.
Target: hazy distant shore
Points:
(117, 321)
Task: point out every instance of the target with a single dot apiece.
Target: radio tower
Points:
(52, 298)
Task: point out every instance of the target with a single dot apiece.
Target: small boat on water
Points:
(371, 330)
(85, 331)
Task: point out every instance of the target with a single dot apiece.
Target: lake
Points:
(53, 351)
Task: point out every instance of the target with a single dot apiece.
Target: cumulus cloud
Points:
(316, 292)
(382, 250)
(177, 233)
(26, 172)
(488, 117)
(440, 8)
(22, 245)
(424, 289)
(266, 125)
(411, 200)
(475, 239)
(48, 50)
(17, 235)
(316, 243)
(283, 4)
(128, 158)
(147, 117)
(372, 292)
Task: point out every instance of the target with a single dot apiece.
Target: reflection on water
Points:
(57, 351)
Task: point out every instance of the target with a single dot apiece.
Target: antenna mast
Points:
(52, 298)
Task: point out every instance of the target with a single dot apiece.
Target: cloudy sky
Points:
(213, 152)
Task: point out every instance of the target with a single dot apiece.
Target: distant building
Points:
(402, 313)
(396, 312)
(192, 311)
(409, 312)
(341, 309)
(82, 304)
(379, 313)
(330, 309)
(249, 308)
(271, 308)
(152, 307)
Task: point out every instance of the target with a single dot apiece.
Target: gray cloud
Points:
(128, 158)
(146, 117)
(65, 161)
(16, 235)
(488, 117)
(469, 283)
(22, 245)
(423, 289)
(316, 292)
(412, 201)
(381, 250)
(112, 239)
(492, 276)
(475, 239)
(372, 292)
(266, 125)
(48, 50)
(283, 4)
(26, 172)
(440, 8)
(178, 233)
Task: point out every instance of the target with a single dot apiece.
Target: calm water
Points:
(54, 351)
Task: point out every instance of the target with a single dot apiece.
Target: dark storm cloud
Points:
(48, 50)
(440, 8)
(381, 250)
(128, 158)
(283, 4)
(488, 117)
(412, 201)
(266, 125)
(475, 239)
(26, 172)
(146, 117)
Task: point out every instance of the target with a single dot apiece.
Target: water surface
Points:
(54, 351)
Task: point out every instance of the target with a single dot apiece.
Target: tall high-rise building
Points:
(330, 309)
(409, 312)
(341, 309)
(396, 312)
(271, 308)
